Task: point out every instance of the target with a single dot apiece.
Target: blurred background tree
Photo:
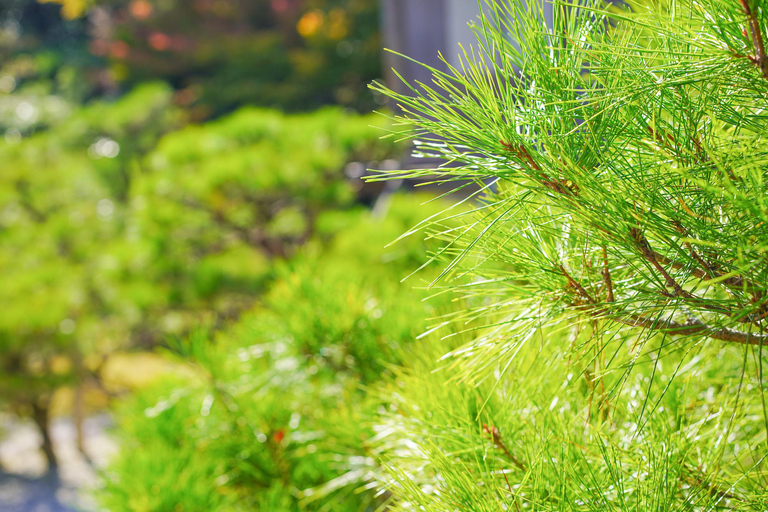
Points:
(117, 235)
(216, 54)
(181, 183)
(274, 412)
(111, 245)
(63, 199)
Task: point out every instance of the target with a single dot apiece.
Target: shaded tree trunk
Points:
(78, 407)
(40, 415)
(78, 413)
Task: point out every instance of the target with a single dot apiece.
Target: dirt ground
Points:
(24, 487)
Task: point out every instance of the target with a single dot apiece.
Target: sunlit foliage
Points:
(275, 413)
(613, 348)
(115, 235)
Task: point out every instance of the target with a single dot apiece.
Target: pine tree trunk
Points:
(78, 413)
(78, 407)
(40, 415)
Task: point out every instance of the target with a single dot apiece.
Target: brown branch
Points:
(509, 486)
(694, 254)
(498, 442)
(650, 255)
(25, 200)
(657, 260)
(707, 272)
(522, 153)
(692, 327)
(660, 139)
(757, 37)
(734, 282)
(738, 55)
(567, 188)
(560, 186)
(577, 286)
(607, 277)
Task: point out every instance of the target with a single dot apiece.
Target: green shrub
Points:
(274, 413)
(116, 234)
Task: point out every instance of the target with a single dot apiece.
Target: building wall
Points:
(421, 29)
(457, 16)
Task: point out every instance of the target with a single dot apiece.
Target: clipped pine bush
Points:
(118, 228)
(276, 411)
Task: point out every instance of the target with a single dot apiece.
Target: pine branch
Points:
(498, 442)
(757, 38)
(650, 255)
(737, 283)
(626, 145)
(692, 327)
(559, 186)
(569, 190)
(25, 200)
(607, 277)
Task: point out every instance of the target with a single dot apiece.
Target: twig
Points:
(657, 260)
(509, 486)
(560, 186)
(498, 442)
(736, 282)
(694, 254)
(577, 286)
(650, 255)
(757, 38)
(660, 139)
(692, 327)
(607, 277)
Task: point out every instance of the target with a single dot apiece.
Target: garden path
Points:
(23, 484)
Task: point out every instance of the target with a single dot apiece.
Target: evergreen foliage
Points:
(683, 431)
(274, 412)
(613, 355)
(63, 219)
(114, 235)
(604, 290)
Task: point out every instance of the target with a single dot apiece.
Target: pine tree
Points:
(115, 235)
(616, 307)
